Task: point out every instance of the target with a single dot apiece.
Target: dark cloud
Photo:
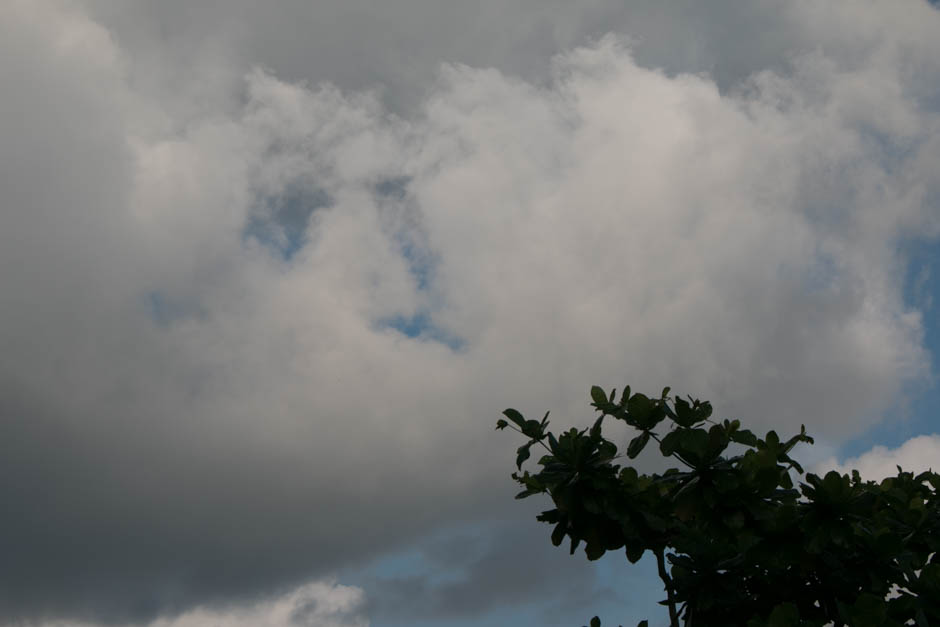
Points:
(398, 47)
(255, 331)
(117, 526)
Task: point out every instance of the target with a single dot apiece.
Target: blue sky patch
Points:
(420, 326)
(391, 194)
(395, 188)
(164, 310)
(449, 561)
(281, 222)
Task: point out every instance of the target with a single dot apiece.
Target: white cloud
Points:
(187, 382)
(316, 604)
(916, 455)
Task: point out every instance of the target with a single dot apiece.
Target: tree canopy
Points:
(740, 533)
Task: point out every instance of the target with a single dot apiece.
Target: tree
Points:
(735, 542)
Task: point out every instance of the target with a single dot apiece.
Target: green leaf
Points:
(552, 442)
(643, 623)
(594, 551)
(921, 618)
(501, 424)
(522, 454)
(834, 484)
(634, 552)
(684, 415)
(934, 480)
(639, 407)
(695, 441)
(637, 444)
(515, 416)
(735, 520)
(869, 611)
(558, 534)
(599, 397)
(625, 397)
(532, 428)
(704, 410)
(595, 622)
(596, 429)
(743, 436)
(655, 522)
(784, 615)
(671, 442)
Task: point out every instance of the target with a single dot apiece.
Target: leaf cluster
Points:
(741, 534)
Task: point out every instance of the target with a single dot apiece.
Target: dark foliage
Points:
(736, 541)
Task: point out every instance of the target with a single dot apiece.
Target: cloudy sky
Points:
(270, 271)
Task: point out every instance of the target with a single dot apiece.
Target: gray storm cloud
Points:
(255, 329)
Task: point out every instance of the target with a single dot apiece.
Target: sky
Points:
(269, 273)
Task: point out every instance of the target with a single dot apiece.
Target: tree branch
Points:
(667, 581)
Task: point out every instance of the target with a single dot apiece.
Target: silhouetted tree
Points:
(735, 541)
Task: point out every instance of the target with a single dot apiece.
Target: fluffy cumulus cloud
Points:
(318, 604)
(916, 455)
(257, 328)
